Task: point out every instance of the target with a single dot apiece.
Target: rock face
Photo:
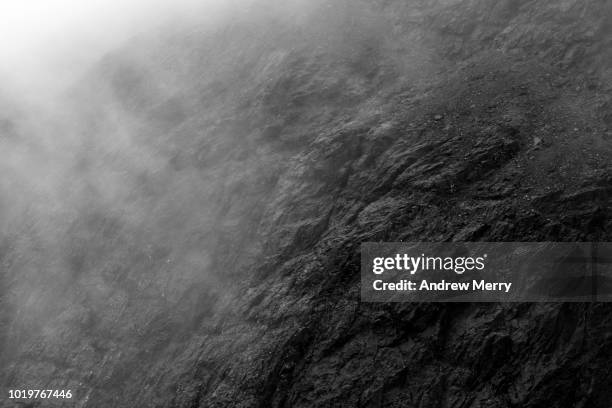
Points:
(207, 255)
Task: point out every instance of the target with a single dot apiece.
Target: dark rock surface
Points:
(227, 273)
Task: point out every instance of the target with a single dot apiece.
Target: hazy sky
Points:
(45, 43)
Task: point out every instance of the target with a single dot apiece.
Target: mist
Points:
(134, 177)
(50, 49)
(89, 199)
(48, 44)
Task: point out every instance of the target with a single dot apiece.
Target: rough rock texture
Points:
(229, 276)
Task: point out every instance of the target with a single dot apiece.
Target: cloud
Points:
(47, 43)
